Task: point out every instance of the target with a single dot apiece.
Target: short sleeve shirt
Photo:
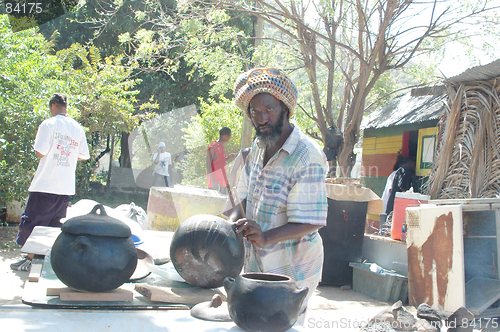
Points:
(164, 163)
(62, 141)
(218, 165)
(290, 188)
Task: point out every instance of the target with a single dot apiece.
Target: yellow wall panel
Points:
(387, 150)
(382, 145)
(389, 139)
(423, 169)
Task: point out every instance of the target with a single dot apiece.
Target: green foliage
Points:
(102, 91)
(104, 99)
(220, 47)
(100, 95)
(28, 78)
(203, 130)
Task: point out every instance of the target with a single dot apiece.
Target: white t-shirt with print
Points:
(164, 163)
(62, 141)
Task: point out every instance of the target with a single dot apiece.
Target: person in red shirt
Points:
(216, 162)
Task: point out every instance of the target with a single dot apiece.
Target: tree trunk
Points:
(125, 161)
(110, 166)
(246, 133)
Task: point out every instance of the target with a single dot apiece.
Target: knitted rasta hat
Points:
(264, 80)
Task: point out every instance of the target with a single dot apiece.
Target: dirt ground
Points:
(8, 246)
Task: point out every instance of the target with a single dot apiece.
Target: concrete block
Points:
(168, 207)
(130, 180)
(14, 211)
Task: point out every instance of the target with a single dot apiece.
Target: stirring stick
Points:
(243, 214)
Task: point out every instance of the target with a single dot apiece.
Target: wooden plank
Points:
(385, 159)
(41, 239)
(391, 145)
(384, 150)
(116, 295)
(388, 150)
(390, 139)
(36, 268)
(177, 295)
(369, 140)
(53, 291)
(379, 160)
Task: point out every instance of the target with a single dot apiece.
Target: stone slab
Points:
(168, 207)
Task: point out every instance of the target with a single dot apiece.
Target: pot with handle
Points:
(94, 252)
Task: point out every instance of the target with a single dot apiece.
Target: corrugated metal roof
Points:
(405, 109)
(479, 73)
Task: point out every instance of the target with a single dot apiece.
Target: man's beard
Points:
(269, 139)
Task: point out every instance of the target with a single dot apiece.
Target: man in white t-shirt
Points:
(162, 160)
(60, 142)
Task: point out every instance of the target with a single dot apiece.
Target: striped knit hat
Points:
(264, 80)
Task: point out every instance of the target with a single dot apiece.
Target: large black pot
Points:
(94, 252)
(263, 302)
(205, 249)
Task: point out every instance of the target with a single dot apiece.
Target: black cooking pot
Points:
(264, 302)
(94, 252)
(205, 249)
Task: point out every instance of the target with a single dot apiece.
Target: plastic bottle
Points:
(403, 233)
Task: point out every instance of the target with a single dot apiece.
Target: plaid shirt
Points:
(290, 188)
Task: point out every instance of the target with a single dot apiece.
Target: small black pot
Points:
(94, 252)
(205, 249)
(263, 301)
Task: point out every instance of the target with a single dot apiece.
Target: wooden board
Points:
(119, 295)
(193, 295)
(41, 239)
(44, 294)
(36, 268)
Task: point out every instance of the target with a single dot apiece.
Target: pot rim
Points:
(257, 277)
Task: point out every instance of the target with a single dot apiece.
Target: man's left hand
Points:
(251, 231)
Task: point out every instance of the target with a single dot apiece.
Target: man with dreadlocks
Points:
(282, 185)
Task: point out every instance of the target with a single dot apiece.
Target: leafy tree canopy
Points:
(100, 92)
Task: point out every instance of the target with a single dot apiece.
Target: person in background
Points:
(282, 186)
(216, 162)
(60, 142)
(162, 160)
(402, 181)
(388, 185)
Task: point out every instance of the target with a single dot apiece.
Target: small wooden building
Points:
(407, 123)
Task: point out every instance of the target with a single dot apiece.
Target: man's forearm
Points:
(237, 214)
(289, 231)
